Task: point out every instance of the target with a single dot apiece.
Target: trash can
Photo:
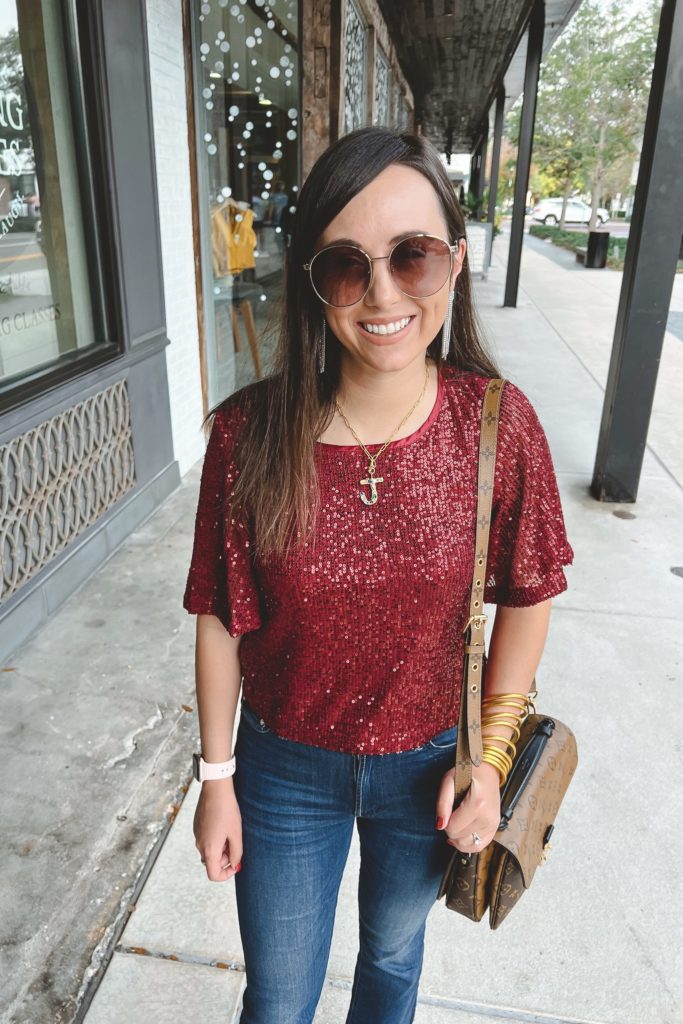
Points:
(596, 251)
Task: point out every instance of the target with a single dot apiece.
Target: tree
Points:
(592, 97)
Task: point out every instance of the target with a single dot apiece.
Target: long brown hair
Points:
(277, 485)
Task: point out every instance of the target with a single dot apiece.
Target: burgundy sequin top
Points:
(359, 648)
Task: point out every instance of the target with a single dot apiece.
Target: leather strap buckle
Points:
(477, 621)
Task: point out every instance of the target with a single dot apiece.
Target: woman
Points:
(338, 586)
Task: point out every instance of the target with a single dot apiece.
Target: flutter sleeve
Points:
(221, 580)
(528, 544)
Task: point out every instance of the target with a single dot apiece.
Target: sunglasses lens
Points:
(421, 265)
(340, 275)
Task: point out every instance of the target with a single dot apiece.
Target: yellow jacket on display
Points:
(233, 241)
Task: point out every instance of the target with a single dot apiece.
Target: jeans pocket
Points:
(252, 719)
(445, 740)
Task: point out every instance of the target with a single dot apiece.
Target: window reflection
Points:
(248, 132)
(44, 298)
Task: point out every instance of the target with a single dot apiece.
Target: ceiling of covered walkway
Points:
(455, 55)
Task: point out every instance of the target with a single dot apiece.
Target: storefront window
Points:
(248, 127)
(45, 313)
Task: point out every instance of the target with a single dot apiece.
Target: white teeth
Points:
(387, 328)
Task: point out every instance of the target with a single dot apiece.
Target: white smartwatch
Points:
(205, 771)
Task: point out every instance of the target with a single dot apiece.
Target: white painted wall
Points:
(169, 107)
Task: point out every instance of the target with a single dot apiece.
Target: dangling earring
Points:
(446, 333)
(321, 349)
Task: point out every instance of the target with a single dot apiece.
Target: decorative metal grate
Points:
(382, 88)
(59, 478)
(396, 105)
(402, 113)
(355, 78)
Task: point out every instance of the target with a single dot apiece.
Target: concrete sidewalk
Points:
(597, 937)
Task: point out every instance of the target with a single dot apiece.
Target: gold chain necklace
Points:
(372, 480)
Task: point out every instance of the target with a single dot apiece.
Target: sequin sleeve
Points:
(528, 545)
(221, 581)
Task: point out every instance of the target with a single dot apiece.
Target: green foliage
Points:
(592, 100)
(472, 206)
(616, 248)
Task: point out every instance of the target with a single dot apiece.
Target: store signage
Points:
(15, 209)
(16, 156)
(478, 247)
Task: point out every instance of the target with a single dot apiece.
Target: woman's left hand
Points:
(477, 815)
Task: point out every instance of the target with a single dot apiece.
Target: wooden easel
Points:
(243, 306)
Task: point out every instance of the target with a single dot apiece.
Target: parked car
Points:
(549, 212)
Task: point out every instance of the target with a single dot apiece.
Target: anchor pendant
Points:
(371, 481)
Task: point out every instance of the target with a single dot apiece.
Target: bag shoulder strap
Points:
(469, 748)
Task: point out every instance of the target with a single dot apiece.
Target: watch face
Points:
(195, 767)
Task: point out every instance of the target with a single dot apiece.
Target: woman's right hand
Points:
(218, 829)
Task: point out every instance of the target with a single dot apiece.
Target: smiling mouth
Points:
(391, 328)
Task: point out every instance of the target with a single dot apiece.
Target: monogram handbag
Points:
(546, 756)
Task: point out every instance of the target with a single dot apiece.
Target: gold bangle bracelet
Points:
(503, 766)
(488, 745)
(502, 769)
(498, 709)
(496, 752)
(513, 700)
(506, 720)
(492, 723)
(504, 696)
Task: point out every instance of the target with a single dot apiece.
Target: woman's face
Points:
(399, 201)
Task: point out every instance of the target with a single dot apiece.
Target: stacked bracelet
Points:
(494, 714)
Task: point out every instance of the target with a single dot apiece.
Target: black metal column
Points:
(481, 181)
(475, 171)
(526, 135)
(495, 157)
(649, 269)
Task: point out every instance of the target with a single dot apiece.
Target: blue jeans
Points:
(298, 804)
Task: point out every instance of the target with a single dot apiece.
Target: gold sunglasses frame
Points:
(373, 259)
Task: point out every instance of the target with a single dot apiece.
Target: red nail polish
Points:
(439, 822)
(239, 867)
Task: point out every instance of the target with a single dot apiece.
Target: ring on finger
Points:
(476, 838)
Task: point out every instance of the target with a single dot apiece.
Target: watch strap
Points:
(207, 771)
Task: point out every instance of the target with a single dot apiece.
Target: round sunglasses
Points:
(341, 274)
